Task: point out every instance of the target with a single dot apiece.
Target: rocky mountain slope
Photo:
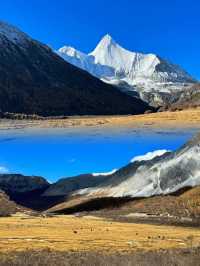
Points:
(65, 186)
(179, 208)
(189, 98)
(8, 207)
(27, 191)
(16, 183)
(35, 80)
(153, 78)
(157, 173)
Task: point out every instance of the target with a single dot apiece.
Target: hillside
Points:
(188, 99)
(35, 80)
(8, 207)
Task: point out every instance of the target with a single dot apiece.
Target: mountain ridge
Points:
(140, 72)
(35, 80)
(160, 174)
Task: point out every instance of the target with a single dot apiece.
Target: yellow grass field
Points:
(69, 233)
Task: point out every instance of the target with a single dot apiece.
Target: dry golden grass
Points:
(69, 233)
(184, 118)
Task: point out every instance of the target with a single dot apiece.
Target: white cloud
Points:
(149, 155)
(3, 170)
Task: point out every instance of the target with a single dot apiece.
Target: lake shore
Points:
(189, 118)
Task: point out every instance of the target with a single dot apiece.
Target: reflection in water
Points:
(56, 153)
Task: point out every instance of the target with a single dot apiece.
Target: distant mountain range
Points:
(157, 173)
(148, 75)
(35, 80)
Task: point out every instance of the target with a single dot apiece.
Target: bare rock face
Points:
(35, 80)
(159, 175)
(189, 98)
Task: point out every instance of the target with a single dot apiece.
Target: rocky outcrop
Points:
(189, 98)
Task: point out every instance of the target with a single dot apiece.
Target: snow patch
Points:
(149, 155)
(106, 173)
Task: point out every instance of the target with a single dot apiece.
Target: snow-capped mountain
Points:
(156, 173)
(144, 73)
(35, 80)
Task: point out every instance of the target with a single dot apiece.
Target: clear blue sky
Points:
(170, 28)
(57, 153)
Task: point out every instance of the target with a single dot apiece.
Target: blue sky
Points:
(170, 28)
(56, 153)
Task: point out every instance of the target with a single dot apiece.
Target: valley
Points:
(55, 224)
(88, 233)
(100, 152)
(71, 240)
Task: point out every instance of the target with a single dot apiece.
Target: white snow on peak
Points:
(12, 33)
(106, 173)
(179, 170)
(70, 51)
(149, 155)
(126, 64)
(106, 43)
(114, 64)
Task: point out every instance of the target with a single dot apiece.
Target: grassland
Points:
(184, 118)
(90, 234)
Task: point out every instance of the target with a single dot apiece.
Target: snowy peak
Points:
(106, 43)
(39, 79)
(107, 39)
(141, 72)
(70, 51)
